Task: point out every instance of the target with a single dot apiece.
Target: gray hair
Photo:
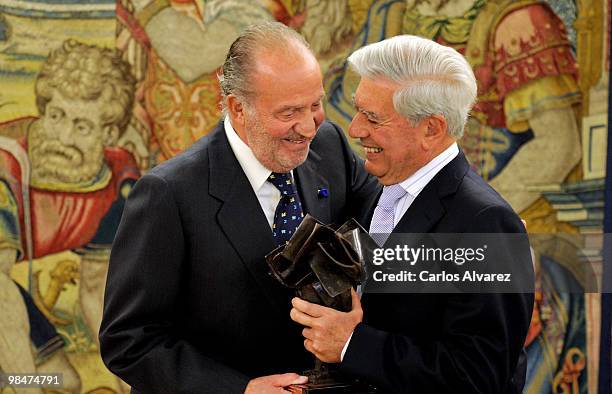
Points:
(240, 60)
(434, 79)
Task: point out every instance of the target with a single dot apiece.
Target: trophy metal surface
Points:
(322, 264)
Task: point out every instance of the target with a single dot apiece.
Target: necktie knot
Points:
(283, 182)
(383, 220)
(390, 195)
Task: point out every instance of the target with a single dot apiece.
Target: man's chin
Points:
(286, 167)
(49, 178)
(291, 161)
(384, 177)
(371, 169)
(65, 174)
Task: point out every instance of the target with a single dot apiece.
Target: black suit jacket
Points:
(446, 343)
(189, 304)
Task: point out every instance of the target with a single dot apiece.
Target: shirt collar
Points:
(415, 183)
(256, 172)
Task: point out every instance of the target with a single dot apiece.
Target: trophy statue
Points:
(322, 264)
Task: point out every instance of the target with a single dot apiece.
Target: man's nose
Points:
(66, 133)
(356, 129)
(307, 127)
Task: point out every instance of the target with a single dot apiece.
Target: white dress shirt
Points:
(267, 194)
(413, 185)
(416, 182)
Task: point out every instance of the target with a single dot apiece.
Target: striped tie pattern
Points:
(288, 214)
(384, 214)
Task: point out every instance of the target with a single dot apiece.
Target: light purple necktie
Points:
(383, 219)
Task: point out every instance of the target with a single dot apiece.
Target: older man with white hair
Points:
(412, 104)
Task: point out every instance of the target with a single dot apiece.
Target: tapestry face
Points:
(94, 94)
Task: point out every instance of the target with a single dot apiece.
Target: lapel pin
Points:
(322, 192)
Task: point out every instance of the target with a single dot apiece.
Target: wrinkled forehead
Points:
(293, 76)
(375, 94)
(286, 61)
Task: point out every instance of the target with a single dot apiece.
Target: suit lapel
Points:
(310, 181)
(368, 212)
(425, 211)
(241, 217)
(428, 208)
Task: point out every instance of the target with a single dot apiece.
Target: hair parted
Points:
(433, 79)
(88, 72)
(240, 60)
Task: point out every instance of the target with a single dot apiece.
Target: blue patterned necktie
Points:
(288, 214)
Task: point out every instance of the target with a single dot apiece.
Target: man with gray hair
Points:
(189, 304)
(412, 104)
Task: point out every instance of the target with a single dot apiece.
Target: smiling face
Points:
(394, 148)
(284, 111)
(67, 143)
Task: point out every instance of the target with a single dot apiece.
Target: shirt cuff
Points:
(345, 347)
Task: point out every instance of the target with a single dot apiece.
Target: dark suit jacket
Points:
(189, 304)
(446, 343)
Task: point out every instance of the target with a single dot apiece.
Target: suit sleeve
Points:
(137, 336)
(478, 350)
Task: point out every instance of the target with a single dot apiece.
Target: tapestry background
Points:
(538, 134)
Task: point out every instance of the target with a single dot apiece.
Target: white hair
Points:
(433, 79)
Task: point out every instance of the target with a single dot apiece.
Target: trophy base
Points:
(329, 382)
(325, 388)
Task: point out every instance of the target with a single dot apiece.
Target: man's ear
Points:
(436, 126)
(236, 111)
(110, 135)
(436, 130)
